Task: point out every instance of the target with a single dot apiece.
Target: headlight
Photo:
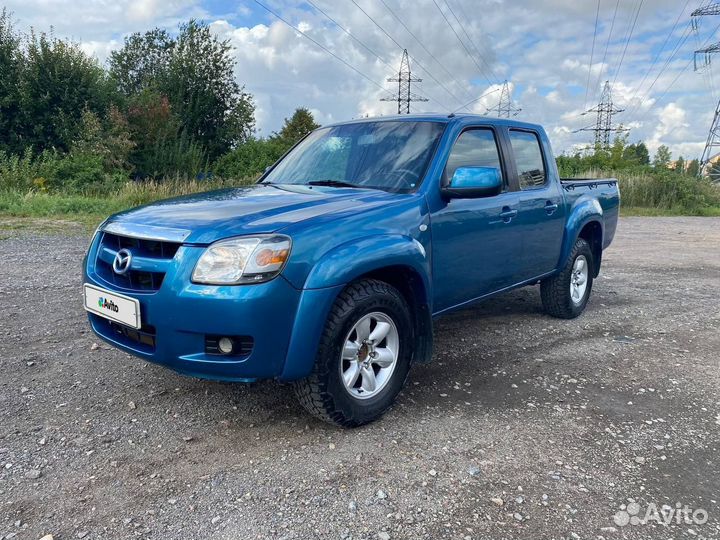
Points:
(249, 259)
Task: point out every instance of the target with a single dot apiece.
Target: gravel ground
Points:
(523, 426)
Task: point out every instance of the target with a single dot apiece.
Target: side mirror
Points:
(473, 183)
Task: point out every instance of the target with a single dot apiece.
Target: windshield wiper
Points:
(332, 183)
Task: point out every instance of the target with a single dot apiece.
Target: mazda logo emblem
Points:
(122, 261)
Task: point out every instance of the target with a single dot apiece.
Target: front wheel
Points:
(363, 358)
(566, 294)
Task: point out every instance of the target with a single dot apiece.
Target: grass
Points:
(639, 211)
(90, 209)
(642, 194)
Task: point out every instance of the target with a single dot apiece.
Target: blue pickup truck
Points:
(328, 272)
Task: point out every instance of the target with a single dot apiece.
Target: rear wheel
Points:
(363, 358)
(566, 294)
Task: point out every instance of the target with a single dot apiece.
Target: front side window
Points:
(528, 159)
(473, 148)
(388, 155)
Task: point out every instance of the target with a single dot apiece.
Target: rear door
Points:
(541, 218)
(476, 244)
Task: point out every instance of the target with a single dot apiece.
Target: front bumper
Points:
(179, 315)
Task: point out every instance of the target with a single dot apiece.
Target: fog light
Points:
(225, 345)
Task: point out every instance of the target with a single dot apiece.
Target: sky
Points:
(462, 49)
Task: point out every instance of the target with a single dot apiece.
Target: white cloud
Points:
(541, 46)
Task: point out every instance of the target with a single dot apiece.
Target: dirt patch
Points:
(523, 426)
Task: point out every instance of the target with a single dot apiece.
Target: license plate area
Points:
(112, 306)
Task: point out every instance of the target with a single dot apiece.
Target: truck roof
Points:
(443, 118)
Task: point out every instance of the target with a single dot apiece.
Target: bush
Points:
(250, 158)
(662, 189)
(28, 171)
(78, 172)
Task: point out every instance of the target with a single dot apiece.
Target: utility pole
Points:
(404, 79)
(713, 138)
(504, 108)
(605, 111)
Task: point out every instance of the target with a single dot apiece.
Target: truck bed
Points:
(571, 183)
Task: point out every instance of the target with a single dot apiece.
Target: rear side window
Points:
(528, 159)
(473, 148)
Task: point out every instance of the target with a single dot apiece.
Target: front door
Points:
(475, 243)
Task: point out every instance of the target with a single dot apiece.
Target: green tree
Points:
(162, 148)
(10, 68)
(680, 165)
(109, 138)
(297, 126)
(617, 150)
(693, 168)
(59, 81)
(636, 154)
(195, 72)
(642, 154)
(142, 62)
(662, 157)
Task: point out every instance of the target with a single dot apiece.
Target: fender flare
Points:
(326, 280)
(348, 261)
(585, 210)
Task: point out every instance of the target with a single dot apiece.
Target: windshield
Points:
(388, 155)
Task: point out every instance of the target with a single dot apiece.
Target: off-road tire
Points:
(555, 291)
(323, 393)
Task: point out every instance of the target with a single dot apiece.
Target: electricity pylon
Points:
(710, 9)
(713, 138)
(504, 107)
(605, 111)
(404, 80)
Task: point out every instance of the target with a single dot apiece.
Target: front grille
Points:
(155, 249)
(133, 280)
(142, 339)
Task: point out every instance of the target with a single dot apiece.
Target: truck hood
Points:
(203, 218)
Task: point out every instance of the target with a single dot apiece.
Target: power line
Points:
(470, 40)
(427, 72)
(592, 53)
(356, 39)
(662, 48)
(681, 41)
(677, 77)
(627, 42)
(319, 45)
(431, 55)
(607, 44)
(461, 42)
(476, 99)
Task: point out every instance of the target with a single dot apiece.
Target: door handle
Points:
(550, 208)
(507, 214)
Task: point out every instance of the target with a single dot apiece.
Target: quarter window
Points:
(528, 159)
(473, 148)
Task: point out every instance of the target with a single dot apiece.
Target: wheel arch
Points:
(592, 233)
(585, 221)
